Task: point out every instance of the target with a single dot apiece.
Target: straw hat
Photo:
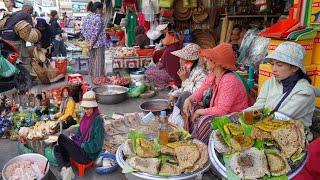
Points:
(89, 100)
(34, 36)
(161, 27)
(40, 54)
(189, 52)
(222, 55)
(291, 53)
(23, 29)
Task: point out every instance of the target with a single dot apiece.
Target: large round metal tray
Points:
(222, 169)
(121, 160)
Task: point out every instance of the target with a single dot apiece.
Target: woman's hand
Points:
(183, 74)
(171, 101)
(197, 114)
(187, 106)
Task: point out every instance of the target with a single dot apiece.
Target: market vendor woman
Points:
(67, 112)
(221, 93)
(87, 143)
(289, 90)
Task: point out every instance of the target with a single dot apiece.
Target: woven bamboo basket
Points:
(34, 36)
(3, 21)
(40, 71)
(23, 29)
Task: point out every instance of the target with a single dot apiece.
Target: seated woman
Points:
(45, 41)
(289, 90)
(67, 113)
(87, 143)
(221, 93)
(167, 68)
(191, 74)
(44, 103)
(141, 38)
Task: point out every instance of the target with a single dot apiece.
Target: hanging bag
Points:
(6, 68)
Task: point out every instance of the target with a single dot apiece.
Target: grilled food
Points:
(187, 155)
(202, 160)
(167, 150)
(145, 149)
(169, 170)
(147, 165)
(250, 164)
(277, 164)
(241, 142)
(219, 144)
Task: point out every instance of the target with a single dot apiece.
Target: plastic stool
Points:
(81, 167)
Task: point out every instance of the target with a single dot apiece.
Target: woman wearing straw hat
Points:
(221, 93)
(289, 90)
(87, 143)
(191, 74)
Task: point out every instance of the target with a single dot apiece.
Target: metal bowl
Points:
(139, 175)
(36, 158)
(154, 105)
(111, 94)
(220, 167)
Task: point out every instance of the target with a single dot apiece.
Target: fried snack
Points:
(187, 155)
(202, 160)
(241, 142)
(277, 164)
(233, 129)
(147, 165)
(167, 150)
(169, 170)
(145, 149)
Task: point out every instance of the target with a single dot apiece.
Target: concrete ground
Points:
(8, 149)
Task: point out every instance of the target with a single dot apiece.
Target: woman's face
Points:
(65, 93)
(99, 11)
(282, 70)
(88, 111)
(210, 65)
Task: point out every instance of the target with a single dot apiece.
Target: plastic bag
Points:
(6, 68)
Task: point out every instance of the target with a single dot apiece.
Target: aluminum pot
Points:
(154, 105)
(37, 158)
(110, 94)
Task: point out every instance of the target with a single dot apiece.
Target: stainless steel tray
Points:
(222, 169)
(198, 173)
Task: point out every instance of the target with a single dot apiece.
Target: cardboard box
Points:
(307, 44)
(316, 83)
(316, 50)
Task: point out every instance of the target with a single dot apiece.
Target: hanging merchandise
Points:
(166, 3)
(190, 3)
(132, 23)
(149, 9)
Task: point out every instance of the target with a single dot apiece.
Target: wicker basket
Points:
(23, 29)
(40, 71)
(52, 72)
(34, 36)
(3, 21)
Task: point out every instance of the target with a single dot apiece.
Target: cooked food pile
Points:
(24, 169)
(268, 147)
(180, 155)
(39, 131)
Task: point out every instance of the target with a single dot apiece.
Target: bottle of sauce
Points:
(163, 129)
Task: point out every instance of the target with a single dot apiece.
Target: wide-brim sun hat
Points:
(290, 53)
(153, 34)
(222, 55)
(161, 27)
(89, 100)
(189, 52)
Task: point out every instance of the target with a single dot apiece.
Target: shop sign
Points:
(47, 3)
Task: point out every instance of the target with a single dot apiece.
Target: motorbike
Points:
(22, 80)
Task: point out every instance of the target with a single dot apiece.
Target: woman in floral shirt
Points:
(192, 74)
(93, 32)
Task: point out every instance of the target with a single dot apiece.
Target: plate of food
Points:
(181, 158)
(270, 147)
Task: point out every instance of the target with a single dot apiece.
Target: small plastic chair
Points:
(81, 167)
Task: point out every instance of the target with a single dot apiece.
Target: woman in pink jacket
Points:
(221, 93)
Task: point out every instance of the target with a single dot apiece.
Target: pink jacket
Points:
(229, 91)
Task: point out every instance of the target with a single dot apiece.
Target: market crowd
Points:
(206, 81)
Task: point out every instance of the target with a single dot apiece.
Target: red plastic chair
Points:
(81, 167)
